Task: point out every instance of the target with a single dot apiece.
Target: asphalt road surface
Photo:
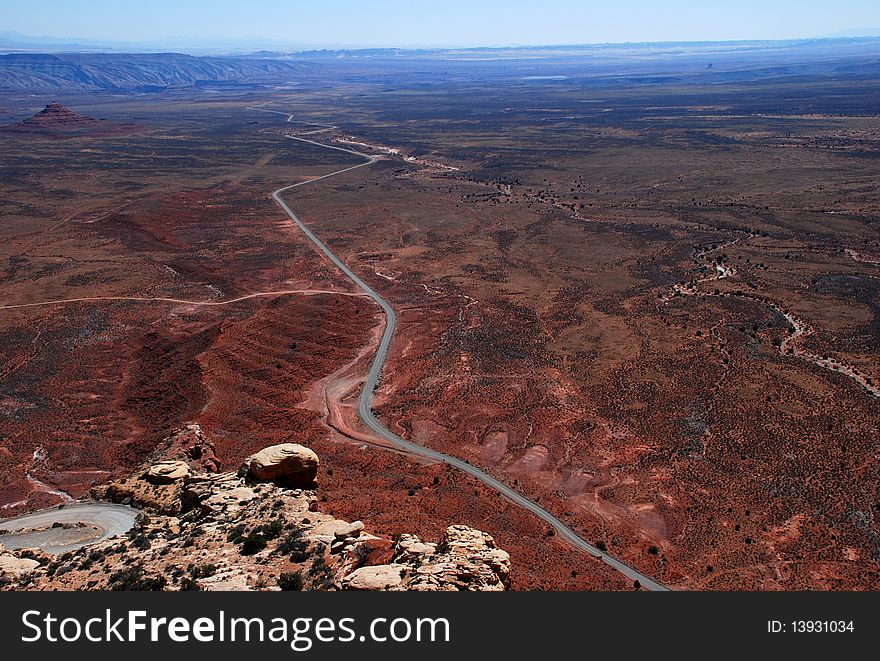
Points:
(365, 409)
(81, 524)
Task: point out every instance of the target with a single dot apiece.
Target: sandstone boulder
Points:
(377, 577)
(166, 472)
(349, 530)
(12, 566)
(288, 465)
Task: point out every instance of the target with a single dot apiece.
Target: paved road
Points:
(365, 409)
(100, 521)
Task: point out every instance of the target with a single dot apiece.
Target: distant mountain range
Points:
(17, 42)
(140, 72)
(856, 32)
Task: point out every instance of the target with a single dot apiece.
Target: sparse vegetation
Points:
(253, 543)
(293, 546)
(290, 581)
(132, 579)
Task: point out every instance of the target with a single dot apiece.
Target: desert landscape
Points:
(640, 293)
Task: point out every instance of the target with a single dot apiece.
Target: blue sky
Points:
(439, 22)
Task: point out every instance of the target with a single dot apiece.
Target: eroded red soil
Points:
(92, 387)
(540, 336)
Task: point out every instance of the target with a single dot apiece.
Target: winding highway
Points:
(365, 410)
(76, 525)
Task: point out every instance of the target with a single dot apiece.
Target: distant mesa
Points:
(55, 115)
(56, 120)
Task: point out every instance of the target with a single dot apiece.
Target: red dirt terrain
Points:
(681, 365)
(92, 387)
(653, 309)
(129, 371)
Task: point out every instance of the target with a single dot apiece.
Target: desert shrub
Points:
(271, 530)
(188, 584)
(294, 546)
(141, 542)
(291, 581)
(320, 572)
(236, 534)
(253, 543)
(132, 579)
(31, 555)
(361, 554)
(202, 571)
(257, 539)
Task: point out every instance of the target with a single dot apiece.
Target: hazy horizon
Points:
(395, 24)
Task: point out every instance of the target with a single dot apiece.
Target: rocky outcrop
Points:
(158, 483)
(13, 567)
(166, 472)
(214, 495)
(465, 559)
(244, 531)
(287, 464)
(379, 577)
(190, 444)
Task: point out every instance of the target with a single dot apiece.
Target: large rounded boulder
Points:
(167, 472)
(289, 464)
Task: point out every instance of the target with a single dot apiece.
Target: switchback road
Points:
(76, 525)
